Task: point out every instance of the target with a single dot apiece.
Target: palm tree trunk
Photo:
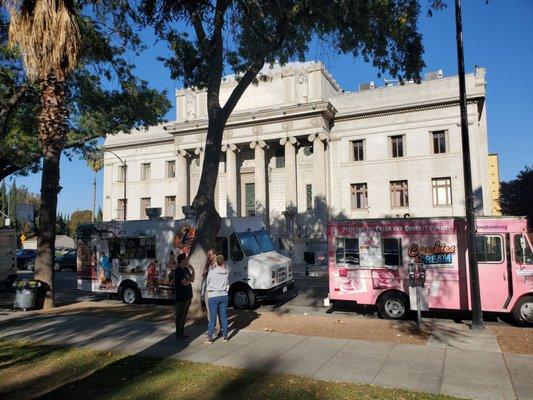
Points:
(52, 135)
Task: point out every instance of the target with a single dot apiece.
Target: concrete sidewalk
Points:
(436, 368)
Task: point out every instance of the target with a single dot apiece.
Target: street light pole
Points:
(477, 316)
(125, 179)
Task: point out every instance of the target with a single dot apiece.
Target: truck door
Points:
(494, 276)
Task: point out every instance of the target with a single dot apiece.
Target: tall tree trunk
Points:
(52, 135)
(207, 217)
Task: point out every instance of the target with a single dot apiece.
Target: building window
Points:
(442, 191)
(121, 173)
(358, 150)
(280, 158)
(170, 169)
(392, 251)
(145, 172)
(439, 142)
(309, 197)
(170, 206)
(359, 196)
(489, 249)
(121, 207)
(347, 251)
(249, 199)
(145, 203)
(399, 194)
(397, 145)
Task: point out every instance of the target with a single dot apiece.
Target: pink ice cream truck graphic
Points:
(368, 264)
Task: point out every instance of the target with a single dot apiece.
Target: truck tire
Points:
(57, 267)
(523, 311)
(393, 305)
(130, 294)
(243, 298)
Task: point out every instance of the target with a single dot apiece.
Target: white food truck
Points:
(8, 256)
(143, 253)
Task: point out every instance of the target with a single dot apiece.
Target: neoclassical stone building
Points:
(300, 151)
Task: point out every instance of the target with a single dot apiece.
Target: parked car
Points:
(26, 259)
(67, 260)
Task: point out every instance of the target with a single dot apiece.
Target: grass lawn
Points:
(31, 370)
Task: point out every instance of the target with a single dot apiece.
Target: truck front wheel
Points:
(130, 294)
(243, 298)
(392, 305)
(523, 311)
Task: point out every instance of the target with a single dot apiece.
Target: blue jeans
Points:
(218, 306)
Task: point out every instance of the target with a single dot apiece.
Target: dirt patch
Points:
(373, 330)
(513, 339)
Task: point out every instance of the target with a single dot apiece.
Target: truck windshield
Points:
(256, 242)
(264, 241)
(249, 243)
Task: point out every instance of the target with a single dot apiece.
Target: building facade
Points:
(494, 178)
(300, 151)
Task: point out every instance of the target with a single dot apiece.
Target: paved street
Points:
(448, 368)
(308, 297)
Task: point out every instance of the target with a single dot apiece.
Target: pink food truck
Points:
(369, 261)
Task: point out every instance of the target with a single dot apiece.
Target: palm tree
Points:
(95, 161)
(48, 36)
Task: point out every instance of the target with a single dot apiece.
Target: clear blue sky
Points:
(497, 36)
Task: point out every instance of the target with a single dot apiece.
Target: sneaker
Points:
(225, 339)
(208, 341)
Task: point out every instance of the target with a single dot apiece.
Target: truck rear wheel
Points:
(130, 294)
(523, 311)
(392, 305)
(243, 298)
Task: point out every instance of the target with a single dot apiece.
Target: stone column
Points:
(182, 175)
(260, 179)
(291, 187)
(231, 179)
(319, 181)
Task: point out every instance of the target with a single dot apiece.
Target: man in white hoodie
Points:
(217, 293)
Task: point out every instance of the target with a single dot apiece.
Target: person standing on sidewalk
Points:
(183, 277)
(217, 294)
(209, 265)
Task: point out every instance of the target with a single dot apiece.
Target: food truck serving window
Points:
(132, 247)
(489, 249)
(392, 251)
(347, 251)
(522, 251)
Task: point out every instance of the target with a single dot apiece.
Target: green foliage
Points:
(516, 196)
(76, 218)
(384, 33)
(103, 96)
(61, 225)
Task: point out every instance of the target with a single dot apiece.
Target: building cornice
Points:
(411, 107)
(258, 117)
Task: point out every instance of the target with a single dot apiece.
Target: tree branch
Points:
(9, 107)
(253, 70)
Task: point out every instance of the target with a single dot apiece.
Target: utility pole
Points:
(475, 297)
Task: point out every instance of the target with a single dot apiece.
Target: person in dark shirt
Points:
(183, 277)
